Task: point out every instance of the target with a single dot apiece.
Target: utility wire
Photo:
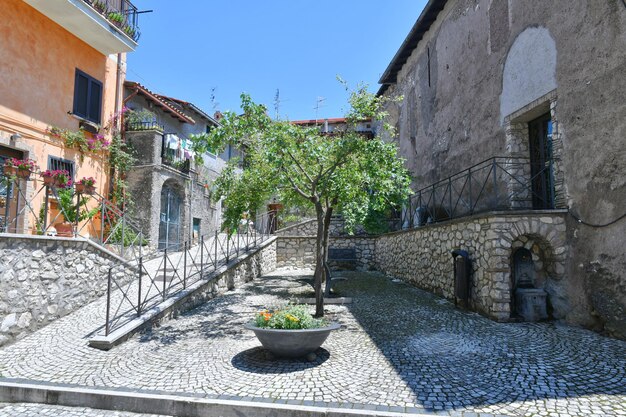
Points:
(579, 220)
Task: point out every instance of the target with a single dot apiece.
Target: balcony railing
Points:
(139, 126)
(496, 184)
(30, 209)
(121, 13)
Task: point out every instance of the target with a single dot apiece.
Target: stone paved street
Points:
(399, 349)
(43, 410)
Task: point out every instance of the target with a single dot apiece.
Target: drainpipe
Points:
(118, 80)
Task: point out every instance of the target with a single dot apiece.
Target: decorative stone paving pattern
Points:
(399, 349)
(44, 410)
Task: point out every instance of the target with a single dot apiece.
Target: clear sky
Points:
(189, 47)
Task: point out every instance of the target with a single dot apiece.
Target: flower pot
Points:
(47, 180)
(64, 229)
(84, 189)
(23, 173)
(292, 343)
(10, 171)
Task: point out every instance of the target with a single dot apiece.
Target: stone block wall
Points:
(45, 278)
(423, 257)
(296, 252)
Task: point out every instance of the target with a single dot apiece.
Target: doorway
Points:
(540, 141)
(170, 218)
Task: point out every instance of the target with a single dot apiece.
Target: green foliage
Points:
(121, 159)
(126, 236)
(290, 317)
(139, 119)
(67, 204)
(345, 173)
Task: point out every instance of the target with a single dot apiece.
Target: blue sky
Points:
(187, 48)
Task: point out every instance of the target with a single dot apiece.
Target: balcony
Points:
(110, 26)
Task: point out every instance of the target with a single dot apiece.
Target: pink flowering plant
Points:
(78, 140)
(62, 177)
(87, 181)
(22, 164)
(97, 143)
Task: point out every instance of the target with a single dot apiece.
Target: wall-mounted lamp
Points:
(14, 137)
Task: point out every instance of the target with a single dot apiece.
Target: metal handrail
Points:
(109, 226)
(497, 183)
(131, 292)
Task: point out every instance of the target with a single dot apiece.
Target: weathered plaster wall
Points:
(489, 59)
(39, 60)
(45, 278)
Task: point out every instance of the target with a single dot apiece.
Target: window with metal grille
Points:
(55, 163)
(87, 97)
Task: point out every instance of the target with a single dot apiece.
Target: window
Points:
(55, 163)
(87, 97)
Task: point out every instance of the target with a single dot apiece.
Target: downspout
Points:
(116, 109)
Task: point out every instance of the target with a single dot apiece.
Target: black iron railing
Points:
(139, 126)
(120, 13)
(181, 164)
(498, 183)
(40, 211)
(134, 290)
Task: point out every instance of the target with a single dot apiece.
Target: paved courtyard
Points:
(399, 349)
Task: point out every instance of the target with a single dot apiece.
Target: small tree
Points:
(345, 172)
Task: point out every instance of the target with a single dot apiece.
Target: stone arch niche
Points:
(531, 266)
(529, 71)
(543, 237)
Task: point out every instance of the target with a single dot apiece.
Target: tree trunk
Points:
(325, 244)
(319, 261)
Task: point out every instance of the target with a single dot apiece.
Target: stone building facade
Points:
(536, 81)
(171, 192)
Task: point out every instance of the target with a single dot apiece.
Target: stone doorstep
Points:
(171, 404)
(162, 309)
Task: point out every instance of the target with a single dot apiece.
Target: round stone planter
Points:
(292, 343)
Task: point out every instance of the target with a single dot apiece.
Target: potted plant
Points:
(61, 178)
(291, 331)
(116, 18)
(86, 186)
(48, 177)
(20, 168)
(72, 212)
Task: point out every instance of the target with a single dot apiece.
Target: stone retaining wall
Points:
(423, 257)
(297, 252)
(44, 278)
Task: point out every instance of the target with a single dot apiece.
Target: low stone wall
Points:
(423, 257)
(43, 278)
(297, 252)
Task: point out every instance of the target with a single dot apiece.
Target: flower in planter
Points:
(61, 178)
(87, 182)
(22, 164)
(292, 316)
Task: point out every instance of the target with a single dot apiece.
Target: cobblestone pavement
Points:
(399, 349)
(44, 410)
